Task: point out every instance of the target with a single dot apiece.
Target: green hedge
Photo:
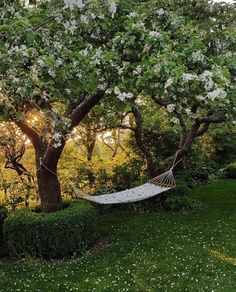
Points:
(3, 215)
(230, 170)
(56, 235)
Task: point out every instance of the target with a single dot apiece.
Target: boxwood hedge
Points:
(56, 235)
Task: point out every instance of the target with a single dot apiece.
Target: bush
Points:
(56, 235)
(181, 189)
(181, 203)
(200, 173)
(3, 215)
(126, 174)
(230, 171)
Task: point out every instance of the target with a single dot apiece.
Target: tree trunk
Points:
(139, 140)
(90, 148)
(48, 183)
(49, 191)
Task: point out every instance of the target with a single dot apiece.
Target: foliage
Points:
(197, 167)
(3, 215)
(101, 174)
(65, 233)
(126, 174)
(181, 203)
(230, 170)
(181, 189)
(224, 141)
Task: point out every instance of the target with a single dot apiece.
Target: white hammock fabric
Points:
(153, 187)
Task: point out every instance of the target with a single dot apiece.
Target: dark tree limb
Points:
(30, 133)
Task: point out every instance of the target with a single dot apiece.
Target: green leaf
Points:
(30, 37)
(5, 28)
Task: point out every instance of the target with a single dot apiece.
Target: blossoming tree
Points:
(185, 68)
(61, 58)
(56, 59)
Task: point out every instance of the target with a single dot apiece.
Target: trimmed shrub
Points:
(3, 215)
(230, 171)
(56, 235)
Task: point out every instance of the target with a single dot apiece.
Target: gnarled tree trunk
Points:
(49, 191)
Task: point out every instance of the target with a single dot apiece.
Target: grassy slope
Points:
(149, 252)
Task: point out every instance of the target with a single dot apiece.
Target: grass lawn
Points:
(148, 252)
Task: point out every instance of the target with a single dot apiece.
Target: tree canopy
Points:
(63, 58)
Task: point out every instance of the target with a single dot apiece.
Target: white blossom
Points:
(200, 97)
(175, 120)
(160, 12)
(189, 77)
(157, 68)
(188, 111)
(137, 70)
(205, 77)
(102, 86)
(80, 4)
(72, 3)
(168, 83)
(59, 18)
(84, 52)
(206, 74)
(41, 63)
(117, 90)
(108, 91)
(138, 25)
(122, 95)
(57, 140)
(133, 14)
(197, 56)
(79, 73)
(70, 26)
(52, 72)
(58, 62)
(154, 33)
(84, 19)
(57, 45)
(217, 93)
(112, 8)
(170, 107)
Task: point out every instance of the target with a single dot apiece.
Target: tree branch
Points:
(202, 130)
(211, 119)
(159, 101)
(82, 109)
(74, 104)
(30, 133)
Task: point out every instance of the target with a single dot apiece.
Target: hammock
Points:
(153, 187)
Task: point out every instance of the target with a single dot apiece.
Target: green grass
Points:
(148, 252)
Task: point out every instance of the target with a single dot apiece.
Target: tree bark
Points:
(139, 140)
(49, 191)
